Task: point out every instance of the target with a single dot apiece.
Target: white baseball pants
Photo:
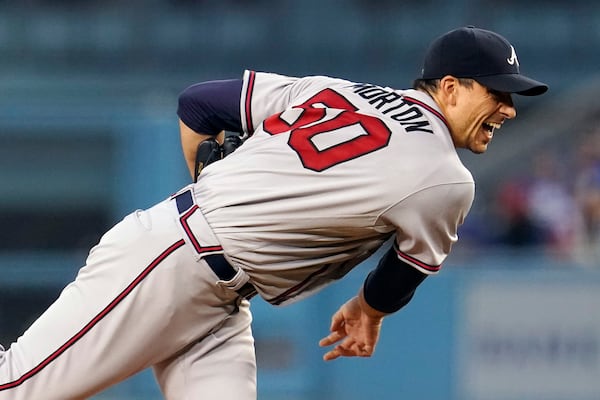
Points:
(143, 299)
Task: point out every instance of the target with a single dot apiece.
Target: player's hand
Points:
(355, 328)
(214, 149)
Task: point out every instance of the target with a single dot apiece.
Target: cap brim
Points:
(513, 83)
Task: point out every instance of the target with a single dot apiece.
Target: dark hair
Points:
(427, 85)
(432, 85)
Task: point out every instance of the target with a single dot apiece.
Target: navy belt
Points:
(226, 272)
(217, 262)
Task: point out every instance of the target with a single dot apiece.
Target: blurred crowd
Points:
(553, 206)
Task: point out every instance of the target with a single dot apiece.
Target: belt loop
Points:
(230, 277)
(184, 201)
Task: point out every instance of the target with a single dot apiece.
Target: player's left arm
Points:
(190, 142)
(205, 111)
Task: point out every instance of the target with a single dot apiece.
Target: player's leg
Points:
(141, 298)
(221, 366)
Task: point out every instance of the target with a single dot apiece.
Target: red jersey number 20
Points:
(363, 133)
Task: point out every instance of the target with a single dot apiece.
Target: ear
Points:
(449, 90)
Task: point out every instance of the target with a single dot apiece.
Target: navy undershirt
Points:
(391, 285)
(211, 107)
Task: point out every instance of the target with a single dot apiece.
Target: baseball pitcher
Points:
(330, 170)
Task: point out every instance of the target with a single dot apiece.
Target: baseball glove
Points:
(210, 151)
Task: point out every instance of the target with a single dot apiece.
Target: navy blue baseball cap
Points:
(482, 55)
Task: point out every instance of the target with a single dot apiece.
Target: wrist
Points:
(367, 309)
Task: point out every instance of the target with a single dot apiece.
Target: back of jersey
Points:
(332, 170)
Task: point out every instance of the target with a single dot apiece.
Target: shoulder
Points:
(264, 77)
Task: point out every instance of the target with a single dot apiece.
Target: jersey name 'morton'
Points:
(388, 101)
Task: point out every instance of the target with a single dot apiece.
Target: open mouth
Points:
(490, 126)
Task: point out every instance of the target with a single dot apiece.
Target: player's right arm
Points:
(356, 325)
(427, 224)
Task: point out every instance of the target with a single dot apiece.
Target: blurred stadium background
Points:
(88, 133)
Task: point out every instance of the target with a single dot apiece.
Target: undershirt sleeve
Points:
(392, 284)
(211, 107)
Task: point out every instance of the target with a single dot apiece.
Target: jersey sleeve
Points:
(427, 223)
(265, 94)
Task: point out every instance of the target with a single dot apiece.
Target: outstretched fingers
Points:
(353, 331)
(332, 338)
(348, 348)
(337, 330)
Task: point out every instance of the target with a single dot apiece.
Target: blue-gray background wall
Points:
(88, 133)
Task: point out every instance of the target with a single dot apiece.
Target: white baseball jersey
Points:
(332, 169)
